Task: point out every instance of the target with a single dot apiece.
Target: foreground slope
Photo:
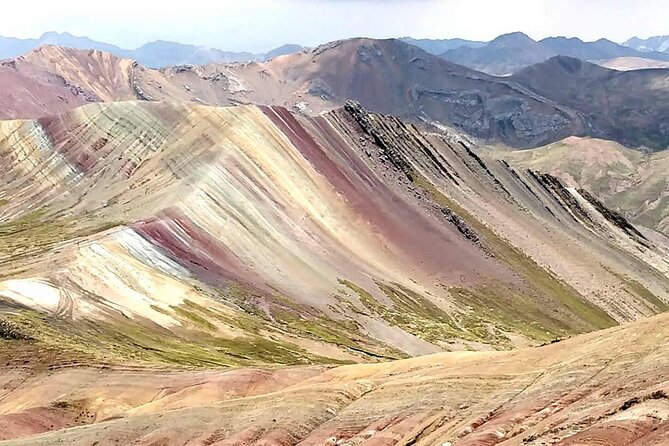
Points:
(236, 236)
(603, 388)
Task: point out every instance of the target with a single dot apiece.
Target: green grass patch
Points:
(632, 286)
(194, 318)
(419, 316)
(127, 340)
(37, 231)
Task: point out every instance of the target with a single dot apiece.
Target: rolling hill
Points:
(176, 272)
(607, 387)
(346, 237)
(168, 265)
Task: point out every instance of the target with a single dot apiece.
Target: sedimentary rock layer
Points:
(244, 235)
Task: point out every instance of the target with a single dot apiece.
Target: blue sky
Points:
(259, 25)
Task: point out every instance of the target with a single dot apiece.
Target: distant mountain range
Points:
(657, 43)
(503, 56)
(156, 54)
(510, 53)
(440, 46)
(545, 102)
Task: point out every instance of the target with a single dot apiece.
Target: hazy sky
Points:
(259, 25)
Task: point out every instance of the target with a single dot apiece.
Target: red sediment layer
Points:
(194, 249)
(28, 93)
(420, 239)
(617, 433)
(69, 139)
(31, 422)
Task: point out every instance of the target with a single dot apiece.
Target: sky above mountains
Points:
(259, 25)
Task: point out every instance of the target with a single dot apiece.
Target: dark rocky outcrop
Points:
(614, 217)
(461, 225)
(564, 198)
(388, 147)
(404, 146)
(400, 143)
(485, 168)
(11, 331)
(134, 86)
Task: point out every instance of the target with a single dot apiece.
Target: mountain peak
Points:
(569, 64)
(282, 50)
(651, 44)
(562, 39)
(513, 37)
(58, 35)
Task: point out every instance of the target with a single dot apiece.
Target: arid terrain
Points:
(632, 63)
(608, 387)
(333, 247)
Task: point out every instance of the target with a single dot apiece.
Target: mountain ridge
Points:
(387, 76)
(155, 54)
(439, 46)
(512, 50)
(657, 43)
(498, 59)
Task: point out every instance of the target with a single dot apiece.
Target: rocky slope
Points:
(616, 105)
(245, 235)
(53, 80)
(629, 181)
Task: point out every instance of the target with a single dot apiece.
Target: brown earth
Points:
(604, 388)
